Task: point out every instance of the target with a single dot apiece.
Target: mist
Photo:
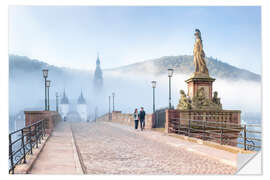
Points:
(132, 90)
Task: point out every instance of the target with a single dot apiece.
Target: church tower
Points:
(98, 79)
(82, 107)
(64, 106)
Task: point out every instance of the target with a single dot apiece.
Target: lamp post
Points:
(170, 73)
(57, 102)
(154, 83)
(45, 75)
(96, 113)
(48, 84)
(113, 94)
(109, 107)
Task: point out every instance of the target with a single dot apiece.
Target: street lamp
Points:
(48, 84)
(45, 75)
(154, 83)
(96, 113)
(57, 102)
(109, 107)
(113, 94)
(170, 73)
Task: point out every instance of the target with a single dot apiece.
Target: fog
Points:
(135, 90)
(132, 89)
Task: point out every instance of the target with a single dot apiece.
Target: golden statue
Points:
(199, 56)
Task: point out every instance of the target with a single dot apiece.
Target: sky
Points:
(71, 36)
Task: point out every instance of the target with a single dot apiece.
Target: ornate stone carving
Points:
(184, 102)
(200, 101)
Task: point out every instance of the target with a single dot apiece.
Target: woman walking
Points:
(136, 118)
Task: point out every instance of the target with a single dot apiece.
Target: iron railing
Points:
(160, 118)
(22, 142)
(241, 135)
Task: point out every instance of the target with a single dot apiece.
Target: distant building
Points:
(64, 106)
(98, 77)
(82, 108)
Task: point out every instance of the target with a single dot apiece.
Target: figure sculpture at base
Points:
(216, 100)
(184, 102)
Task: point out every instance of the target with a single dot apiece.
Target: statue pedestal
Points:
(197, 81)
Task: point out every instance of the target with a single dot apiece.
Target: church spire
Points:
(98, 77)
(64, 99)
(98, 61)
(81, 99)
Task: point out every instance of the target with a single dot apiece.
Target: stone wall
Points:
(51, 119)
(126, 119)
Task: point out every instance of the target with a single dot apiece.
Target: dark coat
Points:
(142, 114)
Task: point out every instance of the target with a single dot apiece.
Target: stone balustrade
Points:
(225, 116)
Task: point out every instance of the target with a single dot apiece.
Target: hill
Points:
(184, 65)
(26, 82)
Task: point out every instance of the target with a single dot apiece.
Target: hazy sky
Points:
(72, 36)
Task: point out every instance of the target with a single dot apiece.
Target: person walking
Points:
(136, 118)
(142, 118)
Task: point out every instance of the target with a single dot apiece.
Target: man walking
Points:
(142, 118)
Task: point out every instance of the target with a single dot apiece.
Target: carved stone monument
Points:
(200, 90)
(200, 103)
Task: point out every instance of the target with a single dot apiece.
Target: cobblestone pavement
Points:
(109, 149)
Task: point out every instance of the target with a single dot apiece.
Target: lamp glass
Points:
(48, 83)
(154, 83)
(170, 72)
(45, 73)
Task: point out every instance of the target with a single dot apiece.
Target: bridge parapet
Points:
(51, 119)
(223, 127)
(174, 115)
(126, 119)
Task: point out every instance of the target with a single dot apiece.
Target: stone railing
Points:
(226, 116)
(222, 126)
(126, 119)
(51, 119)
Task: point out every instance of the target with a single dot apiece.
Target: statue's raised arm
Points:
(199, 56)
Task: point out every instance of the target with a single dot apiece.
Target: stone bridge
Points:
(113, 148)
